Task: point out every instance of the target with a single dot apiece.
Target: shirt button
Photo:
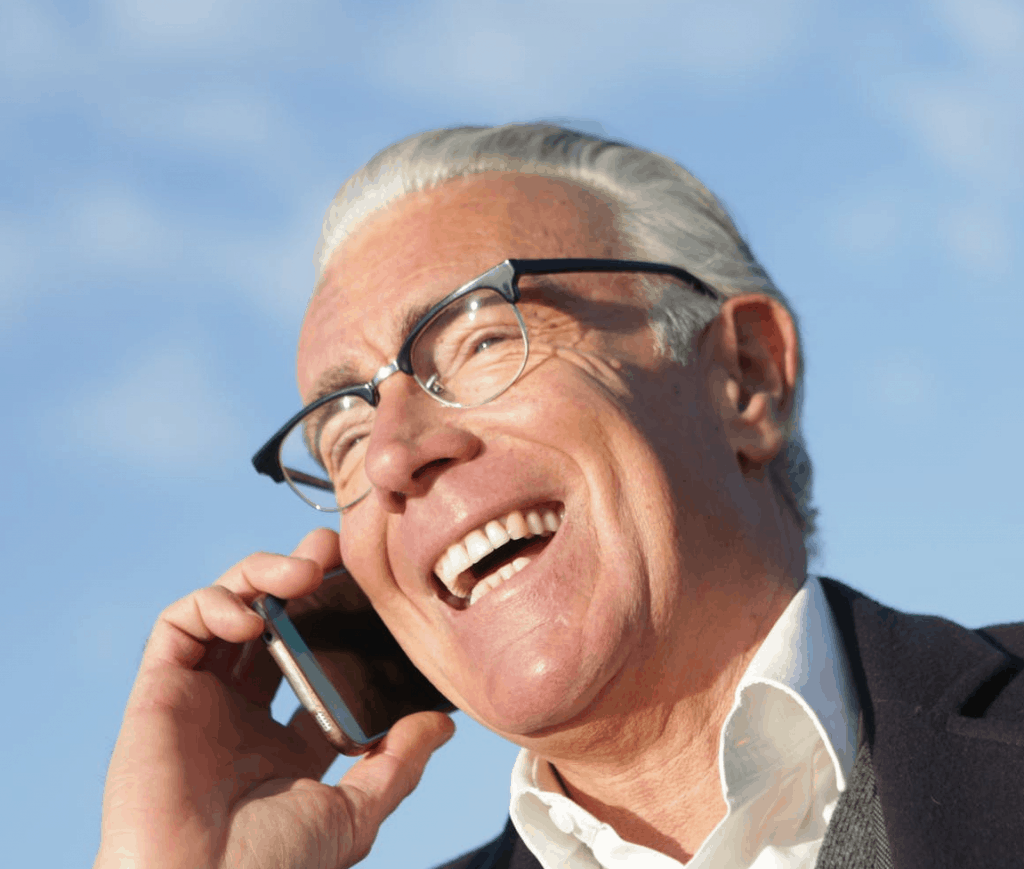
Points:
(561, 818)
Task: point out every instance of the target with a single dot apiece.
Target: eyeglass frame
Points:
(504, 280)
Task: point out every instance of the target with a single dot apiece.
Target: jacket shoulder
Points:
(1010, 637)
(918, 660)
(943, 713)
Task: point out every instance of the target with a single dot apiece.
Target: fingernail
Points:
(242, 606)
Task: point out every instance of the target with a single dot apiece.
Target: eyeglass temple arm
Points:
(561, 266)
(264, 464)
(309, 480)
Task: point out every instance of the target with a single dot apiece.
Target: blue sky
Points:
(165, 170)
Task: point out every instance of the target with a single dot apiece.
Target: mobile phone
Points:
(344, 665)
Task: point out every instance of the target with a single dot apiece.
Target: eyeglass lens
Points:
(468, 354)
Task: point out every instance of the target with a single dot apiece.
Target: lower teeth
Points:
(497, 578)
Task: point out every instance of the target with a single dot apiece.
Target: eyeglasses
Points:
(465, 351)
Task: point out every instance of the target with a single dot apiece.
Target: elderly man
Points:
(585, 522)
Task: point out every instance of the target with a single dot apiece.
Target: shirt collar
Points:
(800, 666)
(803, 655)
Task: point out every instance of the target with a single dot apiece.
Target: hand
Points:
(202, 776)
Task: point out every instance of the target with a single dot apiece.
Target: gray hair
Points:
(661, 213)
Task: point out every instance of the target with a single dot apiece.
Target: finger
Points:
(248, 667)
(189, 632)
(375, 785)
(256, 675)
(221, 658)
(245, 660)
(317, 754)
(322, 546)
(257, 574)
(284, 576)
(242, 666)
(187, 627)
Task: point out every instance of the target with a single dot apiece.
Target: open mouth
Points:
(495, 552)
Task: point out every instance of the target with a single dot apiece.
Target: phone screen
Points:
(338, 630)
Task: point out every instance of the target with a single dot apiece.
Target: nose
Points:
(414, 439)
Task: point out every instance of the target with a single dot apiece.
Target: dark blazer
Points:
(943, 711)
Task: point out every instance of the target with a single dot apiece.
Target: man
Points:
(558, 409)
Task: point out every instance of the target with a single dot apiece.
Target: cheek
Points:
(362, 544)
(588, 420)
(365, 552)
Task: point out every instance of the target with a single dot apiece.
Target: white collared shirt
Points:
(785, 755)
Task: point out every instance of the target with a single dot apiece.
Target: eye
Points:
(341, 448)
(345, 445)
(488, 343)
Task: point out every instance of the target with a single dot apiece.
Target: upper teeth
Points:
(484, 540)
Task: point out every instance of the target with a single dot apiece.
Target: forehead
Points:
(427, 244)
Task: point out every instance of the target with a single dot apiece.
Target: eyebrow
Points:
(334, 380)
(608, 315)
(545, 287)
(343, 376)
(551, 290)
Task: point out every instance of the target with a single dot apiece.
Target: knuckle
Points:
(355, 823)
(183, 604)
(253, 562)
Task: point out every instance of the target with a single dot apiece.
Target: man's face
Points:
(601, 431)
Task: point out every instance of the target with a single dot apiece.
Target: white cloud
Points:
(179, 24)
(721, 38)
(20, 262)
(993, 30)
(107, 239)
(978, 236)
(165, 411)
(111, 226)
(88, 238)
(288, 282)
(956, 95)
(236, 122)
(35, 43)
(221, 30)
(509, 57)
(867, 223)
(902, 381)
(135, 68)
(234, 119)
(967, 113)
(968, 128)
(276, 273)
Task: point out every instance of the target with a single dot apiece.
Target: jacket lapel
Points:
(944, 717)
(507, 851)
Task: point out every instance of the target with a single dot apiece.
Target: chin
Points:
(540, 693)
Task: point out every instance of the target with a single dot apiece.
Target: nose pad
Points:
(412, 441)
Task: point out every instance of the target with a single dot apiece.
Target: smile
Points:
(495, 552)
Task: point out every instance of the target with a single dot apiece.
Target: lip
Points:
(456, 532)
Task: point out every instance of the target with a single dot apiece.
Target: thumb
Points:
(385, 776)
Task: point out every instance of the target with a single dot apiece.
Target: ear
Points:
(751, 354)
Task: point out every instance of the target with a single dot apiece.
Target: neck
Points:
(652, 772)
